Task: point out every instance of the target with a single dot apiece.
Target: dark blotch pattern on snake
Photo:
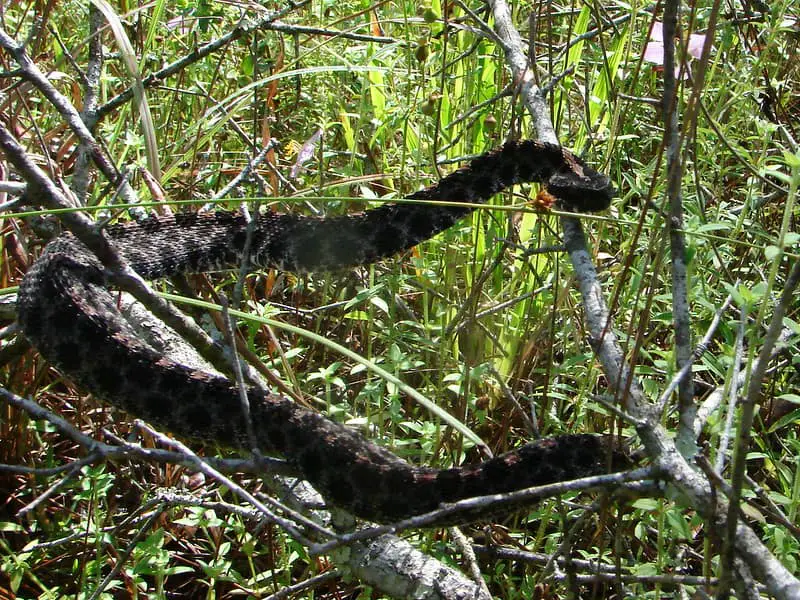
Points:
(68, 313)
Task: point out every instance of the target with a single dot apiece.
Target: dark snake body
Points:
(68, 313)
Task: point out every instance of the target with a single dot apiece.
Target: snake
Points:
(67, 310)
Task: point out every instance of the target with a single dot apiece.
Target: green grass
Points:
(387, 117)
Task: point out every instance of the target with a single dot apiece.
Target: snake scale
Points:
(66, 310)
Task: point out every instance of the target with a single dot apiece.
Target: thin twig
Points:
(697, 353)
(203, 467)
(733, 392)
(681, 319)
(241, 387)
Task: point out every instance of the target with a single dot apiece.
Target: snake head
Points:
(579, 187)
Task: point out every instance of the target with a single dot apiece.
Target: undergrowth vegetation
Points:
(484, 320)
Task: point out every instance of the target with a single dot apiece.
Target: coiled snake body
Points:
(68, 313)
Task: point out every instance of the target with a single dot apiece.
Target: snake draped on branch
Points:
(69, 314)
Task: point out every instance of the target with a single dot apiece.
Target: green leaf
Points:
(357, 315)
(678, 524)
(247, 66)
(772, 252)
(793, 398)
(380, 304)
